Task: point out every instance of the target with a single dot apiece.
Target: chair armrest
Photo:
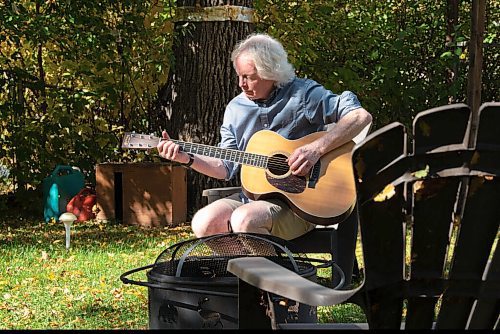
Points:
(269, 276)
(214, 194)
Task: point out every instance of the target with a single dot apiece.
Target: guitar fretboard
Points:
(146, 142)
(237, 156)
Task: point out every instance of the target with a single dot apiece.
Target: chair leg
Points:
(252, 310)
(344, 249)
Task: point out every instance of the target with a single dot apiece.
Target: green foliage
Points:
(75, 74)
(392, 54)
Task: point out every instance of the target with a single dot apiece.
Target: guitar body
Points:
(327, 200)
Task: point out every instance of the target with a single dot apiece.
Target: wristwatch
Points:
(190, 162)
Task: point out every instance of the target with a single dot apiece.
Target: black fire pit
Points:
(190, 287)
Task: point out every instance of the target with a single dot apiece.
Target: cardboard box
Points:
(146, 194)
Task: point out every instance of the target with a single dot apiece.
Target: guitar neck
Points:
(146, 142)
(250, 159)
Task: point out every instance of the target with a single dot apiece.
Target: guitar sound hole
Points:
(277, 165)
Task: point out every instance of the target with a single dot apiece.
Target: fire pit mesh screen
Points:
(207, 257)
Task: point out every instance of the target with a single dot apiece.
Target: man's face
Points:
(254, 87)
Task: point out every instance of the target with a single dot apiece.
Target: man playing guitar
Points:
(274, 99)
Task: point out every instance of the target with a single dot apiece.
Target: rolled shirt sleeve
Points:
(323, 103)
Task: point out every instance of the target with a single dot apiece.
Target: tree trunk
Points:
(478, 18)
(201, 82)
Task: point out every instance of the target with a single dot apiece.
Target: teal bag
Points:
(59, 188)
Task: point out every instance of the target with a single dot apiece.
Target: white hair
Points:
(269, 57)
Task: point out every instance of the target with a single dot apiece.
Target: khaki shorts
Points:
(285, 223)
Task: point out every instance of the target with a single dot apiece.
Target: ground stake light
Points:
(67, 218)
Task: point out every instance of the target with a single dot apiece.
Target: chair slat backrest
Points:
(428, 221)
(431, 206)
(475, 238)
(476, 258)
(441, 126)
(382, 256)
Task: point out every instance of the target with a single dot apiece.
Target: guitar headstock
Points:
(139, 141)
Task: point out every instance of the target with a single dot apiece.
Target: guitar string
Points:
(276, 163)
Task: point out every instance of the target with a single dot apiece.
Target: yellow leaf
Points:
(421, 173)
(385, 194)
(117, 293)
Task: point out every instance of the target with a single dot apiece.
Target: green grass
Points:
(45, 286)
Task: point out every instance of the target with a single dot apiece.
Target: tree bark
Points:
(201, 82)
(478, 18)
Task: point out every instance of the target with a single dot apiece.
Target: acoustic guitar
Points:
(326, 196)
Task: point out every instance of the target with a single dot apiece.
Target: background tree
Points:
(201, 82)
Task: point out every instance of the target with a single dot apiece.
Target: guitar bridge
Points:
(314, 175)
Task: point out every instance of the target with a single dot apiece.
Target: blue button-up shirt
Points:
(295, 110)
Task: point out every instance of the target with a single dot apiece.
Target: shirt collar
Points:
(272, 96)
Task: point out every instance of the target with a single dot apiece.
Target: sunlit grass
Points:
(45, 286)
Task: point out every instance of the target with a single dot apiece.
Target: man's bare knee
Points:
(200, 223)
(244, 220)
(208, 221)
